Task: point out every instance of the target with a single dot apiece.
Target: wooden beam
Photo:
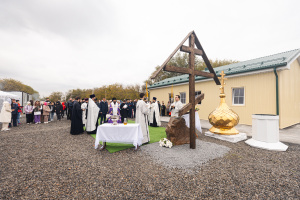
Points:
(185, 109)
(187, 71)
(206, 61)
(182, 70)
(199, 98)
(172, 54)
(189, 50)
(205, 74)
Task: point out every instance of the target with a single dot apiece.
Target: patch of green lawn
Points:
(156, 133)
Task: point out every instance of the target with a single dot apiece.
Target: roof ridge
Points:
(269, 55)
(258, 58)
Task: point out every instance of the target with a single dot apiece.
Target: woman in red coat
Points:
(64, 108)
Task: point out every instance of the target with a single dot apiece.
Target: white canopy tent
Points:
(4, 95)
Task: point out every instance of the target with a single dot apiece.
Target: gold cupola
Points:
(223, 119)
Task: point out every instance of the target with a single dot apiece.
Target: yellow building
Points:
(266, 85)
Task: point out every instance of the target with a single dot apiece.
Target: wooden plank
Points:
(199, 98)
(182, 70)
(205, 74)
(185, 109)
(192, 93)
(189, 50)
(188, 71)
(172, 54)
(206, 61)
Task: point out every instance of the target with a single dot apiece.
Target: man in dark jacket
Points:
(130, 108)
(14, 112)
(103, 110)
(58, 109)
(70, 108)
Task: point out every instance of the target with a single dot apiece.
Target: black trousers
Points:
(103, 118)
(14, 119)
(32, 117)
(154, 124)
(29, 118)
(58, 115)
(69, 113)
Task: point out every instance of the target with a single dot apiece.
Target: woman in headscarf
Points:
(46, 112)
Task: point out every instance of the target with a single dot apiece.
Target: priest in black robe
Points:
(124, 111)
(76, 123)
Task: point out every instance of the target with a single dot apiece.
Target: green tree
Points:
(116, 90)
(15, 85)
(54, 96)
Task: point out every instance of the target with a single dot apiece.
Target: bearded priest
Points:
(92, 116)
(142, 112)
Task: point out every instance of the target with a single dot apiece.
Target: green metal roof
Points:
(276, 60)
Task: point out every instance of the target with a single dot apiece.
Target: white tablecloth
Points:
(197, 121)
(128, 134)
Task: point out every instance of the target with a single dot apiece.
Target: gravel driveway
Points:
(45, 162)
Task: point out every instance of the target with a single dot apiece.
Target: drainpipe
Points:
(277, 96)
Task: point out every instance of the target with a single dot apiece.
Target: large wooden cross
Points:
(192, 51)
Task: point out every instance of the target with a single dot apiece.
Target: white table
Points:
(128, 134)
(197, 121)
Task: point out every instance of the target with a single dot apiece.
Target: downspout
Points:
(277, 95)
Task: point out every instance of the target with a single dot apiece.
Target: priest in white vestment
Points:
(92, 116)
(176, 106)
(141, 117)
(83, 108)
(154, 118)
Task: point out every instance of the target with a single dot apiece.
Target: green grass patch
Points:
(156, 133)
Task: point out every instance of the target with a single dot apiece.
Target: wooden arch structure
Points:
(192, 51)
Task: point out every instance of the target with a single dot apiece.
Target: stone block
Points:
(177, 132)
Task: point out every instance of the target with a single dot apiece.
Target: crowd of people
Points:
(36, 112)
(90, 112)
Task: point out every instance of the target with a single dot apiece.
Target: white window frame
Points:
(183, 98)
(232, 91)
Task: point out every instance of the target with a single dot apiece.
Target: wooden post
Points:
(192, 91)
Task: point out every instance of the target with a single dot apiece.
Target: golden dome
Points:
(223, 119)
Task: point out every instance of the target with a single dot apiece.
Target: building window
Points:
(171, 99)
(238, 96)
(196, 94)
(183, 97)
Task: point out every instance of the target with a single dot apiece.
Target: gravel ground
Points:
(45, 162)
(184, 158)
